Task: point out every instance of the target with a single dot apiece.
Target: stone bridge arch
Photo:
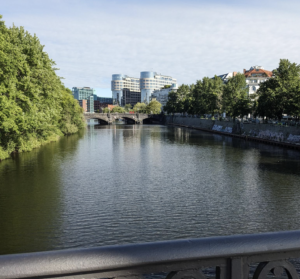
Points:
(109, 118)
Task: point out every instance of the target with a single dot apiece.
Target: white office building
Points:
(161, 95)
(146, 84)
(151, 81)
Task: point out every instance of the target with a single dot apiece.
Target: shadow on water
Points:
(30, 197)
(272, 158)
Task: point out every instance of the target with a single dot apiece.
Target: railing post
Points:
(239, 268)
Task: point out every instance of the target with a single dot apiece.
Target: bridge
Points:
(223, 257)
(136, 118)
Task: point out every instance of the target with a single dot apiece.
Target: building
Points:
(126, 89)
(105, 100)
(120, 82)
(85, 93)
(226, 77)
(90, 104)
(101, 102)
(161, 95)
(83, 104)
(254, 76)
(151, 81)
(130, 97)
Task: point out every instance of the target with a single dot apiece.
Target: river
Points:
(137, 183)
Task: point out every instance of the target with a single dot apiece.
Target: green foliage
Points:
(118, 110)
(106, 110)
(140, 108)
(154, 107)
(207, 96)
(180, 100)
(35, 107)
(166, 86)
(235, 99)
(210, 96)
(128, 107)
(281, 94)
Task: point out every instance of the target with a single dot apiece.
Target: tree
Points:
(235, 96)
(105, 110)
(154, 107)
(281, 94)
(128, 107)
(117, 109)
(178, 100)
(35, 107)
(139, 108)
(171, 105)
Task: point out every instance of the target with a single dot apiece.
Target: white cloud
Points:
(90, 43)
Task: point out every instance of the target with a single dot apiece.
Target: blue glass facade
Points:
(85, 93)
(147, 74)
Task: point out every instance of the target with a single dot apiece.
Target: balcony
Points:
(226, 257)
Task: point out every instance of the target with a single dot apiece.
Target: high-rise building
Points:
(135, 87)
(85, 93)
(120, 82)
(151, 81)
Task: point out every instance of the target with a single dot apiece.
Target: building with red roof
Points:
(254, 76)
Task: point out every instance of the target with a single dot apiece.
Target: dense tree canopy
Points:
(35, 107)
(118, 109)
(204, 97)
(139, 107)
(276, 96)
(153, 107)
(281, 94)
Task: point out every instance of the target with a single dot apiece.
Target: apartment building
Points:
(254, 76)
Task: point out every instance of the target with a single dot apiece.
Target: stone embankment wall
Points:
(271, 132)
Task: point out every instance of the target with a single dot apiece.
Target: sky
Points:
(92, 39)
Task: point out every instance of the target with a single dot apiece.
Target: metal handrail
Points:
(230, 254)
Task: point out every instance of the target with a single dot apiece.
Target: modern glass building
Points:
(151, 81)
(85, 93)
(146, 84)
(120, 82)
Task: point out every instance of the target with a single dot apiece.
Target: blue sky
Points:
(93, 39)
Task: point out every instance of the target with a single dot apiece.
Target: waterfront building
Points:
(130, 97)
(151, 81)
(131, 90)
(161, 95)
(90, 104)
(85, 93)
(254, 76)
(120, 82)
(83, 104)
(101, 102)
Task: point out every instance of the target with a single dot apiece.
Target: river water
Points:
(137, 183)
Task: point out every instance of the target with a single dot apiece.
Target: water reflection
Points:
(31, 198)
(135, 183)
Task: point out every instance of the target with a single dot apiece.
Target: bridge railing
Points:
(230, 257)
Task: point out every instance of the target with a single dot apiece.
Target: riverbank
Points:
(288, 137)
